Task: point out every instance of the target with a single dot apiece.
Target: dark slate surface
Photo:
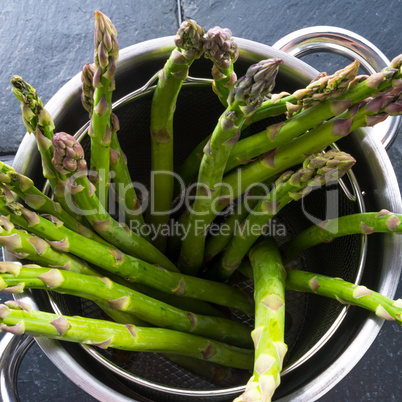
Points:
(48, 42)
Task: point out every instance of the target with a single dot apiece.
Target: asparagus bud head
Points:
(249, 91)
(337, 81)
(329, 166)
(220, 47)
(23, 91)
(33, 112)
(87, 94)
(396, 62)
(325, 86)
(68, 157)
(190, 39)
(106, 45)
(318, 169)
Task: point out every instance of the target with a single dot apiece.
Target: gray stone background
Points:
(48, 42)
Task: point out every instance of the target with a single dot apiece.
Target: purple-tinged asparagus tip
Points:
(396, 62)
(105, 40)
(251, 89)
(88, 86)
(190, 39)
(220, 47)
(68, 157)
(104, 23)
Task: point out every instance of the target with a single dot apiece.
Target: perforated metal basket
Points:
(325, 338)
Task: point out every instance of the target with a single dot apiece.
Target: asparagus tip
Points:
(220, 47)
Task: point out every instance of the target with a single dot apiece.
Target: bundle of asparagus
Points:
(170, 306)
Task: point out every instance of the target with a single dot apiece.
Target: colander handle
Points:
(347, 44)
(12, 351)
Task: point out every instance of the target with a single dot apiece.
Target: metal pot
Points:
(339, 336)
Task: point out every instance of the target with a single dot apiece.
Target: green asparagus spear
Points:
(69, 159)
(189, 46)
(319, 90)
(281, 133)
(338, 289)
(217, 242)
(221, 48)
(123, 187)
(87, 87)
(38, 121)
(104, 334)
(318, 170)
(367, 113)
(269, 332)
(345, 293)
(100, 130)
(244, 99)
(121, 298)
(274, 162)
(363, 223)
(24, 245)
(121, 179)
(24, 187)
(115, 261)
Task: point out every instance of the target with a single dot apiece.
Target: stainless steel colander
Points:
(325, 339)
